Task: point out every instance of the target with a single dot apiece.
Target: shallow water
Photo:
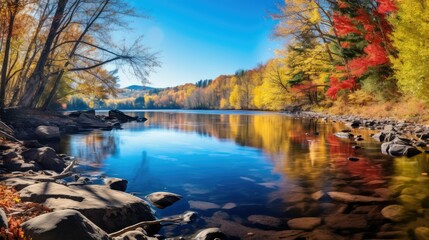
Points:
(230, 165)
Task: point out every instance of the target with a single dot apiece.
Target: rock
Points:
(64, 225)
(162, 200)
(399, 147)
(347, 221)
(229, 205)
(267, 221)
(21, 166)
(89, 121)
(116, 184)
(320, 196)
(3, 219)
(122, 117)
(138, 234)
(45, 157)
(31, 144)
(109, 209)
(304, 223)
(19, 183)
(295, 197)
(396, 213)
(320, 234)
(379, 136)
(209, 234)
(9, 155)
(203, 205)
(349, 198)
(344, 135)
(421, 233)
(389, 128)
(355, 124)
(47, 132)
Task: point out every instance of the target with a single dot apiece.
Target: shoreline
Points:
(79, 185)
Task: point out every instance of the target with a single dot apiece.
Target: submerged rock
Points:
(203, 205)
(396, 213)
(421, 233)
(347, 221)
(304, 223)
(349, 198)
(266, 221)
(162, 200)
(65, 225)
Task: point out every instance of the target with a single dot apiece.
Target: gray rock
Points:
(3, 219)
(109, 209)
(116, 184)
(65, 225)
(162, 200)
(209, 234)
(347, 221)
(90, 121)
(138, 234)
(266, 221)
(19, 183)
(47, 132)
(421, 233)
(46, 157)
(21, 165)
(349, 198)
(304, 223)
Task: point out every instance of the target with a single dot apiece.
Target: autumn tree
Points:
(410, 39)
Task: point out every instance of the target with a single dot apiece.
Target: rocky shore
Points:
(349, 207)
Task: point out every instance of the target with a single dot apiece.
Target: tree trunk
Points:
(13, 8)
(34, 83)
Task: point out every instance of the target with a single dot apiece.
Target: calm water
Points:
(237, 163)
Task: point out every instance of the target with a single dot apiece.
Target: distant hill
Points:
(139, 88)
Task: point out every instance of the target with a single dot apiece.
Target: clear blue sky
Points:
(202, 39)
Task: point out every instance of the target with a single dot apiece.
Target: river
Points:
(254, 170)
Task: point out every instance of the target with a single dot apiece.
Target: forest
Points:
(338, 56)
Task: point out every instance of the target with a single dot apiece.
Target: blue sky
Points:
(202, 39)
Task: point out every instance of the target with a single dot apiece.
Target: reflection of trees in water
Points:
(92, 148)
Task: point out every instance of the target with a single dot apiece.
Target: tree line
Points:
(52, 49)
(350, 52)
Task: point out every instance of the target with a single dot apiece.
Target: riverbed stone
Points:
(109, 209)
(396, 213)
(46, 157)
(65, 225)
(304, 223)
(201, 205)
(345, 135)
(267, 221)
(323, 234)
(350, 198)
(47, 132)
(347, 221)
(421, 233)
(162, 200)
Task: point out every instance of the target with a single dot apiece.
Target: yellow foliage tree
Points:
(410, 38)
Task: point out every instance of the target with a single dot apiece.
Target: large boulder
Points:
(65, 225)
(109, 209)
(45, 157)
(120, 116)
(47, 133)
(91, 121)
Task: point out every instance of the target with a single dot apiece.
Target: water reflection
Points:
(260, 163)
